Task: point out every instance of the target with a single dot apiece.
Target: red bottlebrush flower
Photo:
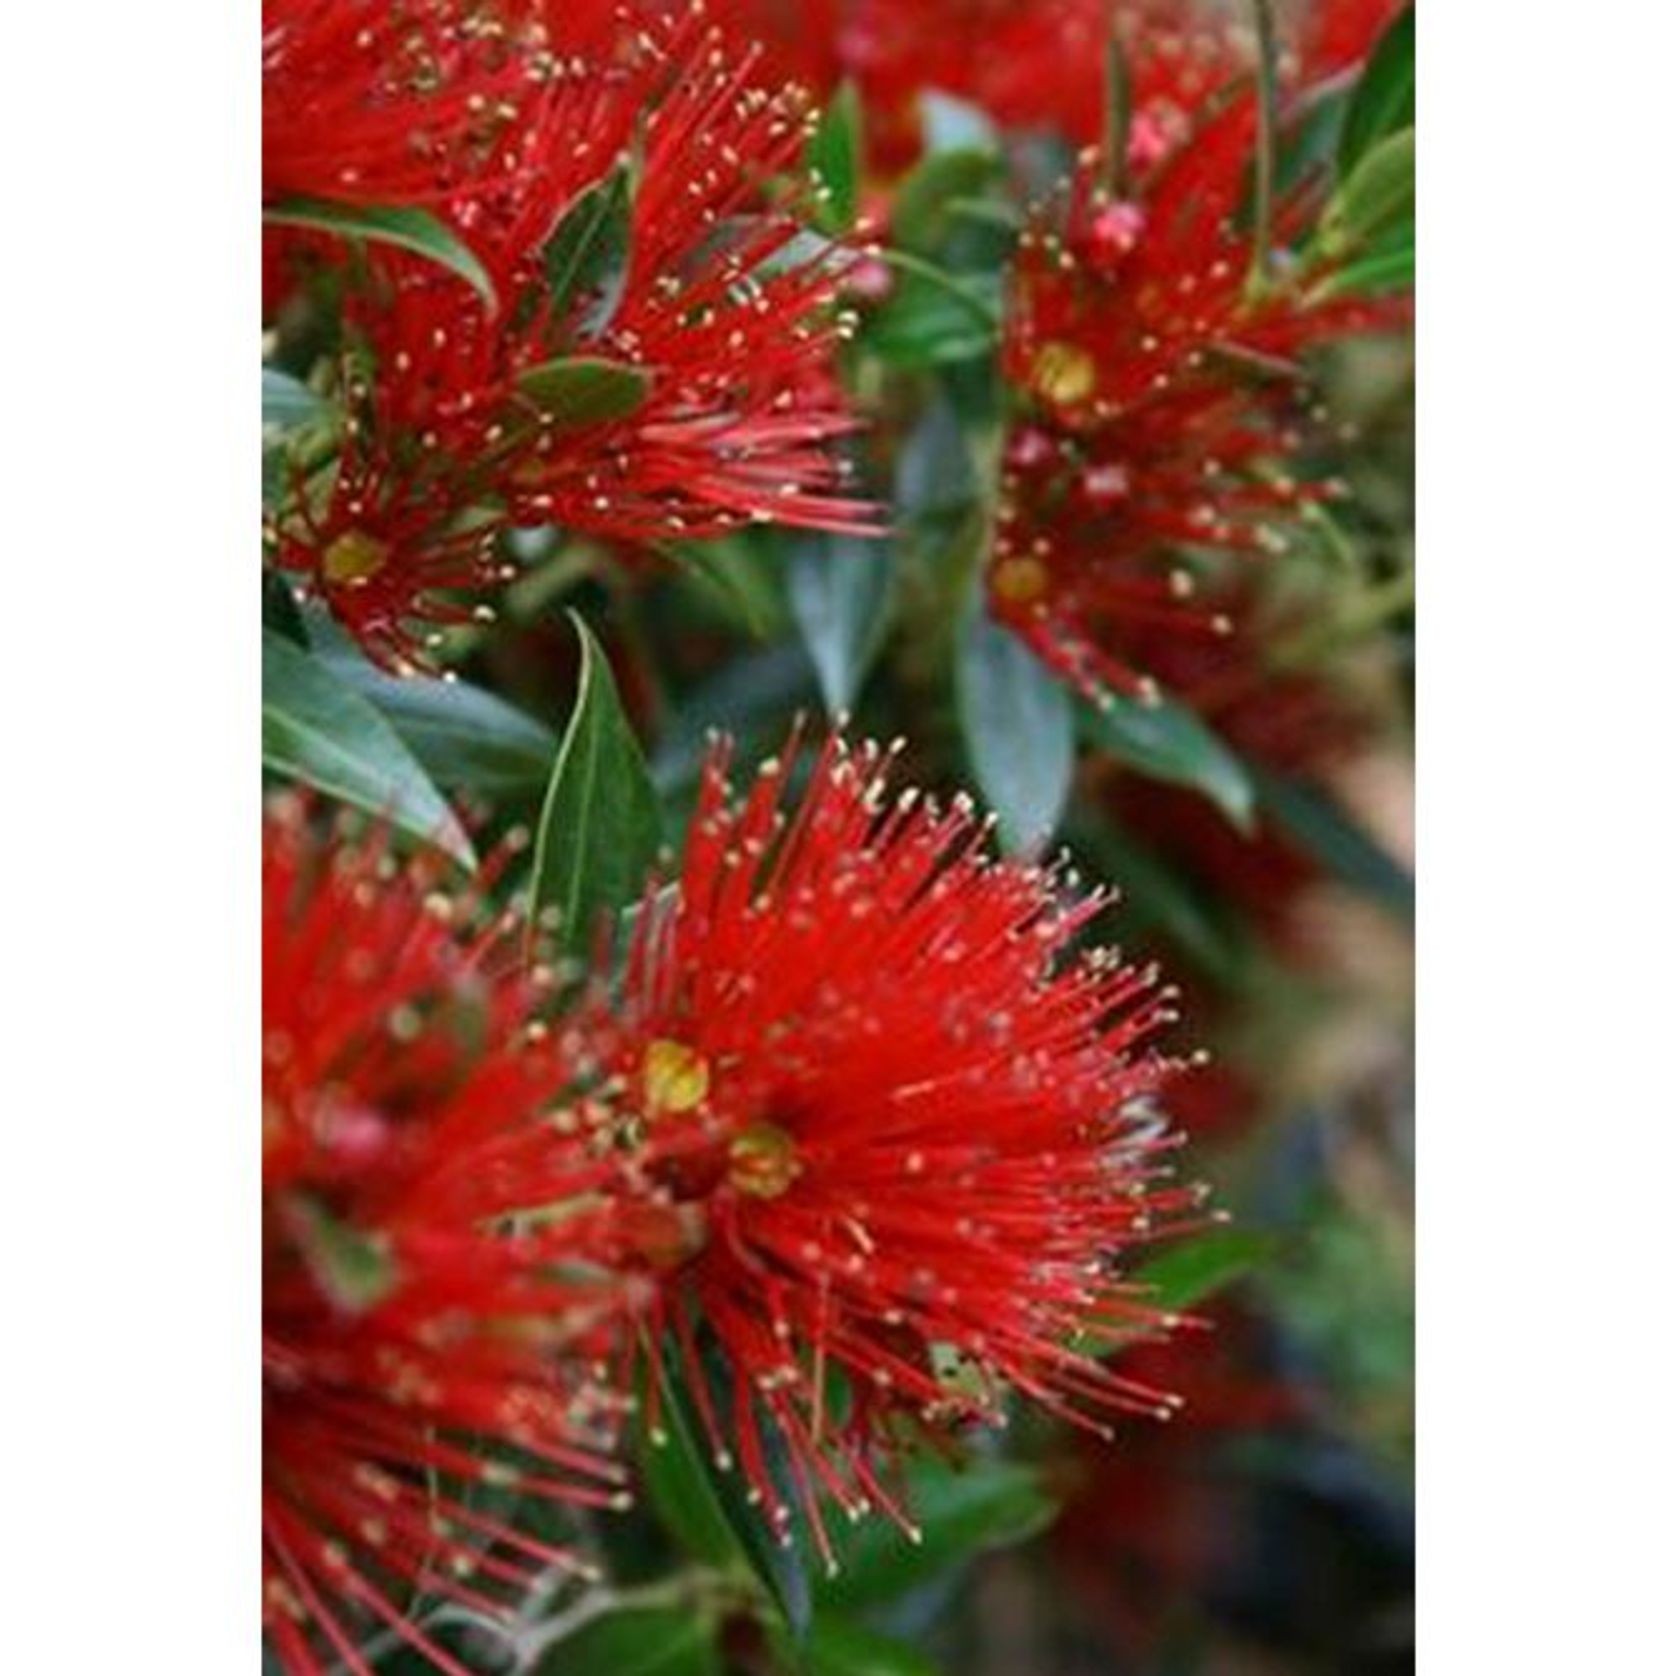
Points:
(722, 407)
(1163, 406)
(898, 1136)
(386, 103)
(429, 1313)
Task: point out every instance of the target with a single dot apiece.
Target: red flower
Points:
(428, 1321)
(386, 103)
(899, 1134)
(1039, 64)
(1163, 407)
(721, 405)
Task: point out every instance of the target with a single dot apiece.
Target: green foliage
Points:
(1166, 740)
(599, 830)
(840, 588)
(584, 390)
(588, 252)
(1196, 1269)
(319, 730)
(413, 229)
(1019, 730)
(1383, 103)
(833, 156)
(636, 1641)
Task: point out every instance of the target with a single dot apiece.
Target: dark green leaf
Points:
(837, 1646)
(959, 1511)
(599, 824)
(318, 730)
(1190, 1272)
(1390, 268)
(703, 1500)
(585, 389)
(1169, 742)
(657, 1641)
(1384, 98)
(1019, 730)
(465, 737)
(280, 611)
(833, 155)
(588, 253)
(1320, 824)
(932, 318)
(919, 219)
(413, 229)
(287, 401)
(840, 592)
(742, 575)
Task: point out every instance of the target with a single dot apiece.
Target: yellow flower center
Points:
(676, 1078)
(1063, 374)
(1019, 581)
(762, 1161)
(354, 557)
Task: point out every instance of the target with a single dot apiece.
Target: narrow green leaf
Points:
(838, 1646)
(1384, 98)
(287, 401)
(319, 730)
(638, 1641)
(839, 587)
(1321, 825)
(703, 1502)
(1189, 1273)
(585, 389)
(919, 219)
(413, 229)
(588, 252)
(599, 824)
(1019, 729)
(1169, 742)
(1377, 199)
(833, 155)
(465, 737)
(959, 1511)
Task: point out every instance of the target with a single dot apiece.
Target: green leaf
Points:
(355, 1270)
(920, 217)
(413, 229)
(287, 401)
(839, 587)
(638, 1641)
(1380, 271)
(599, 824)
(959, 1511)
(585, 389)
(1189, 1273)
(464, 736)
(742, 575)
(1377, 199)
(1384, 98)
(703, 1502)
(319, 730)
(837, 1646)
(932, 318)
(589, 250)
(1321, 825)
(833, 155)
(1019, 729)
(1169, 742)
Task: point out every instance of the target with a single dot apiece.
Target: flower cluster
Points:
(435, 1296)
(858, 1119)
(1163, 404)
(654, 359)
